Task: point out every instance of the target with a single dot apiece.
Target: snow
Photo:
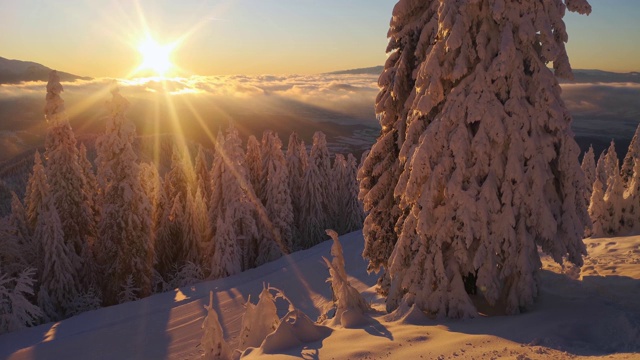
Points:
(594, 312)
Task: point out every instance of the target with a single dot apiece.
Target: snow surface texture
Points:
(594, 311)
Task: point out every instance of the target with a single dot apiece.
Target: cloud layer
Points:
(601, 111)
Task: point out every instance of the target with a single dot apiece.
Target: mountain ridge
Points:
(18, 71)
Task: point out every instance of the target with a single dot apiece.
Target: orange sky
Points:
(100, 38)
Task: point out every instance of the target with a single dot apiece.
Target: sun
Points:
(156, 57)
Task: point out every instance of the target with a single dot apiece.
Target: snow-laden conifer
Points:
(633, 153)
(215, 178)
(201, 169)
(254, 165)
(601, 168)
(350, 306)
(171, 240)
(37, 190)
(124, 245)
(178, 180)
(20, 230)
(277, 202)
(339, 193)
(154, 191)
(67, 185)
(189, 274)
(319, 155)
(58, 278)
(489, 166)
(354, 214)
(589, 169)
(128, 292)
(200, 223)
(600, 217)
(234, 201)
(259, 320)
(212, 342)
(195, 224)
(89, 176)
(312, 214)
(16, 311)
(227, 257)
(11, 262)
(87, 300)
(614, 193)
(413, 25)
(632, 199)
(297, 159)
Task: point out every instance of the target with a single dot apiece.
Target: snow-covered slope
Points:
(592, 312)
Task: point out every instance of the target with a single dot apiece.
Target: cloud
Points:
(200, 105)
(615, 100)
(601, 111)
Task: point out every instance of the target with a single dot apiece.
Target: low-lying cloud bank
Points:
(339, 105)
(601, 111)
(333, 92)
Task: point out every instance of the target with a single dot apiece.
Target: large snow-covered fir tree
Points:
(413, 25)
(489, 167)
(67, 185)
(124, 247)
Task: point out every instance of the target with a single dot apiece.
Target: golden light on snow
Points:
(156, 57)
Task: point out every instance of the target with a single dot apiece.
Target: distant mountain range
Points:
(376, 70)
(17, 71)
(581, 75)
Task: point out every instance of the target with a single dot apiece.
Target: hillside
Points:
(17, 71)
(589, 313)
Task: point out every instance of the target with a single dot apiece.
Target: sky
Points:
(219, 37)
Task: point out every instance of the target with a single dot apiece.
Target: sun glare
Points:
(155, 57)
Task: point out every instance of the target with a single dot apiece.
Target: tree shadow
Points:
(310, 354)
(120, 331)
(375, 328)
(598, 315)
